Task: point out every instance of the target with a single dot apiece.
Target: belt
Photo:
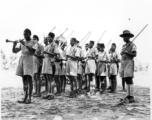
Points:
(63, 60)
(91, 58)
(57, 61)
(103, 62)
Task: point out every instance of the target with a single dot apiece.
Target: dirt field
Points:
(99, 107)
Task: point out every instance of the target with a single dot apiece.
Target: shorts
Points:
(25, 66)
(47, 66)
(90, 67)
(71, 67)
(57, 68)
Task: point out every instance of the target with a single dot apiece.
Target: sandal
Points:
(37, 95)
(28, 101)
(51, 97)
(46, 96)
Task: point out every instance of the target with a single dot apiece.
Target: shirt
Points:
(130, 48)
(74, 52)
(39, 51)
(91, 52)
(51, 48)
(102, 56)
(25, 50)
(113, 56)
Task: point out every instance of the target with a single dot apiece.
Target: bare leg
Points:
(25, 87)
(64, 82)
(46, 84)
(38, 85)
(35, 84)
(30, 89)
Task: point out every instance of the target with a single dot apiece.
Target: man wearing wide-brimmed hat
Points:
(127, 64)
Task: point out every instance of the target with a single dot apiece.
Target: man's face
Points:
(45, 41)
(86, 46)
(26, 36)
(72, 42)
(102, 48)
(36, 40)
(77, 43)
(126, 38)
(50, 39)
(90, 45)
(98, 47)
(113, 47)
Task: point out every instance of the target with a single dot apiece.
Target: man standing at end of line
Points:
(129, 51)
(25, 66)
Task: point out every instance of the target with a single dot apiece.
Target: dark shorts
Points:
(129, 80)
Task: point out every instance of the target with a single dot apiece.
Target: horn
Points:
(9, 41)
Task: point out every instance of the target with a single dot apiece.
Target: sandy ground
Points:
(98, 107)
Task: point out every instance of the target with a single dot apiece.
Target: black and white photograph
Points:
(75, 59)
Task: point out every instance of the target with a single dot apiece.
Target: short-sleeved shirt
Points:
(63, 53)
(130, 48)
(51, 48)
(102, 56)
(113, 55)
(91, 52)
(39, 51)
(25, 50)
(74, 52)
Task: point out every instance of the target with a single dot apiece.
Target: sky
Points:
(82, 16)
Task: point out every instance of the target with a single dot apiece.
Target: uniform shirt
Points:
(25, 50)
(39, 51)
(113, 56)
(51, 48)
(131, 48)
(73, 51)
(102, 56)
(63, 53)
(91, 52)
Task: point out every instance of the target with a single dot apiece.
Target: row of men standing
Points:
(56, 61)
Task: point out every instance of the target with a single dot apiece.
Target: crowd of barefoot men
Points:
(56, 61)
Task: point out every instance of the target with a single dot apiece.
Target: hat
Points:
(127, 33)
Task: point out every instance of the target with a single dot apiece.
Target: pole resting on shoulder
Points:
(135, 37)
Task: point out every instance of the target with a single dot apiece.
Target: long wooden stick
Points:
(85, 36)
(86, 39)
(101, 36)
(135, 37)
(61, 34)
(53, 29)
(67, 38)
(70, 34)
